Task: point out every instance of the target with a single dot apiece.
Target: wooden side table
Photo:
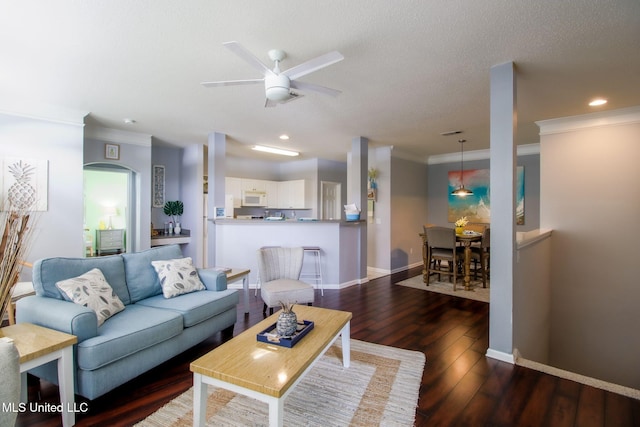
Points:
(235, 275)
(38, 345)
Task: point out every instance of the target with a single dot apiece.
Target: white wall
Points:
(590, 198)
(59, 229)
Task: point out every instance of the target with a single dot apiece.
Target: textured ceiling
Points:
(412, 69)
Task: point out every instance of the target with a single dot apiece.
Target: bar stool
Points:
(317, 274)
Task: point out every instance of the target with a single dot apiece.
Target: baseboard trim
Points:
(500, 355)
(582, 379)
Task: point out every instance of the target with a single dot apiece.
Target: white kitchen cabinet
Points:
(291, 194)
(233, 186)
(254, 185)
(272, 194)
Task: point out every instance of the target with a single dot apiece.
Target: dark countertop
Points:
(161, 235)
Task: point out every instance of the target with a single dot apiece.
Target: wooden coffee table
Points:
(265, 371)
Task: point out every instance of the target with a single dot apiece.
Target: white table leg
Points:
(276, 412)
(199, 401)
(65, 382)
(346, 345)
(245, 287)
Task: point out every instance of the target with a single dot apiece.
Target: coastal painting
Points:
(477, 207)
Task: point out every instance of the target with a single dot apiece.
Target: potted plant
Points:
(174, 209)
(460, 224)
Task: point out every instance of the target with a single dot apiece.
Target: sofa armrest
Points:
(213, 280)
(58, 314)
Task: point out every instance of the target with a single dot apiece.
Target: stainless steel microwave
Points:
(254, 198)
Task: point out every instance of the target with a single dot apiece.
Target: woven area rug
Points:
(379, 388)
(478, 293)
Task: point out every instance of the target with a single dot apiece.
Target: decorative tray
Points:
(270, 335)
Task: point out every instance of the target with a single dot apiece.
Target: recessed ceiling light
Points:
(284, 137)
(275, 150)
(129, 121)
(597, 102)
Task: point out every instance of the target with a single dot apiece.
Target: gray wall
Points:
(438, 190)
(379, 229)
(171, 159)
(138, 159)
(594, 278)
(408, 212)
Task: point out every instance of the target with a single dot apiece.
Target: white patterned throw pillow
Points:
(177, 277)
(93, 291)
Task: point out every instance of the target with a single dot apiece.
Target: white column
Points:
(216, 171)
(357, 193)
(503, 212)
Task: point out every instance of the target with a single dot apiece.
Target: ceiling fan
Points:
(278, 84)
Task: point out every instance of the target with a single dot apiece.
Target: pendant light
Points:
(461, 191)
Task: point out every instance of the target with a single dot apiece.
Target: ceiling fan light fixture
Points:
(273, 150)
(277, 87)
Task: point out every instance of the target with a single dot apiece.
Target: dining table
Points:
(466, 238)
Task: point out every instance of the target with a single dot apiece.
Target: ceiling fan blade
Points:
(249, 57)
(232, 83)
(316, 88)
(268, 103)
(314, 64)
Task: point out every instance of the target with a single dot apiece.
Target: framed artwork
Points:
(477, 207)
(158, 186)
(24, 183)
(112, 151)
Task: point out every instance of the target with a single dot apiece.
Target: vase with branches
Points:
(16, 228)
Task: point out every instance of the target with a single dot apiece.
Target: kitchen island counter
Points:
(237, 242)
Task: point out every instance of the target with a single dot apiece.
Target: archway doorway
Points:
(108, 205)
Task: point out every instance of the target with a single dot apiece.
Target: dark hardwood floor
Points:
(460, 386)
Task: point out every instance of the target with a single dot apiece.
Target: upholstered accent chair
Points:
(442, 246)
(280, 269)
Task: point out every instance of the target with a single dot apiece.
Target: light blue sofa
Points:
(150, 330)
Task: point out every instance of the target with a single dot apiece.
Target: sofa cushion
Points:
(195, 307)
(136, 328)
(47, 272)
(177, 277)
(142, 278)
(92, 290)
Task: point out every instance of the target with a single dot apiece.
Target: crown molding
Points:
(117, 136)
(45, 112)
(584, 121)
(521, 150)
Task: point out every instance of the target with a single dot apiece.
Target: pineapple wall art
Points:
(24, 183)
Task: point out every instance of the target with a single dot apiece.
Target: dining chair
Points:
(442, 247)
(279, 269)
(426, 257)
(480, 254)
